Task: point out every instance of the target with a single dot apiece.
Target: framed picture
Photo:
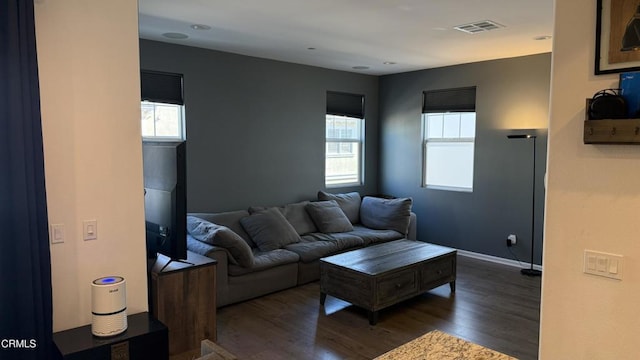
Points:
(617, 36)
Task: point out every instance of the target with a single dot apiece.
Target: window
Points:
(343, 150)
(162, 121)
(449, 139)
(344, 134)
(162, 107)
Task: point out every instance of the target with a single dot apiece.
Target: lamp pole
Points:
(531, 271)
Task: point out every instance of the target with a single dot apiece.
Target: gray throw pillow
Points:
(329, 217)
(269, 229)
(349, 203)
(386, 214)
(296, 215)
(299, 218)
(239, 251)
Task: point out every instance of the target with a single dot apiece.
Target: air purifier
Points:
(108, 306)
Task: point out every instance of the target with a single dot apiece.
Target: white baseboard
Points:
(498, 260)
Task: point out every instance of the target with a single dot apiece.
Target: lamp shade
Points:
(521, 136)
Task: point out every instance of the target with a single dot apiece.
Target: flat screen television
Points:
(165, 198)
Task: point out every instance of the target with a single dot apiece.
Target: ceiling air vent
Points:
(479, 26)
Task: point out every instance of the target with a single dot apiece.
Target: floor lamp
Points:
(531, 271)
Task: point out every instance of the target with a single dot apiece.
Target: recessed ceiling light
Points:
(200, 27)
(177, 36)
(389, 63)
(360, 67)
(542, 37)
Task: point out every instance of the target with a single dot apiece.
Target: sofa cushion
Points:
(296, 215)
(269, 229)
(310, 249)
(386, 214)
(344, 240)
(265, 260)
(230, 219)
(372, 236)
(328, 217)
(349, 203)
(238, 250)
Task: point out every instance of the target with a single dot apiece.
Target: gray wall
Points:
(255, 135)
(255, 127)
(512, 96)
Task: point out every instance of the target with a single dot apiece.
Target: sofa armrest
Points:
(413, 227)
(219, 254)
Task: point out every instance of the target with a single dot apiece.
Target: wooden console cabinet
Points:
(183, 297)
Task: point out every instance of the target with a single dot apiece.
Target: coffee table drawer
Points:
(437, 270)
(397, 286)
(346, 285)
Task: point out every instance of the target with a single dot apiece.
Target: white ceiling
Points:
(414, 34)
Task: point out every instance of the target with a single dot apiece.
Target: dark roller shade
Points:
(449, 100)
(161, 87)
(344, 104)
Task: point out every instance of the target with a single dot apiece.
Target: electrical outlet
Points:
(120, 351)
(511, 240)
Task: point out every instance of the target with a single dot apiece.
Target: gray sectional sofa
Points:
(266, 249)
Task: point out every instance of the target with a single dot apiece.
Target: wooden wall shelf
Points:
(617, 131)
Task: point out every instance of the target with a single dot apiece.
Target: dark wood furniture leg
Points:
(452, 285)
(323, 297)
(373, 317)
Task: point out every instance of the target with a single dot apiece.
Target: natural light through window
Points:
(343, 151)
(162, 121)
(448, 145)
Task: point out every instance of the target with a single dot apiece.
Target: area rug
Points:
(436, 345)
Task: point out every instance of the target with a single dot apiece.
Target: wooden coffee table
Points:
(382, 275)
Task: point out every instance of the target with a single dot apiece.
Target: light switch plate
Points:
(603, 264)
(90, 230)
(56, 233)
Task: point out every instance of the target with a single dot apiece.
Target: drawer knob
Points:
(398, 286)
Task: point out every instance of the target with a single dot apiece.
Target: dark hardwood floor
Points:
(494, 306)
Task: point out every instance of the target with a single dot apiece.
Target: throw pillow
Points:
(295, 214)
(269, 229)
(218, 235)
(299, 218)
(349, 203)
(386, 214)
(329, 217)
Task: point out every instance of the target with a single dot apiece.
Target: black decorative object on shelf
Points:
(607, 104)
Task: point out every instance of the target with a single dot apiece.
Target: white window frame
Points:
(449, 140)
(181, 126)
(334, 182)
